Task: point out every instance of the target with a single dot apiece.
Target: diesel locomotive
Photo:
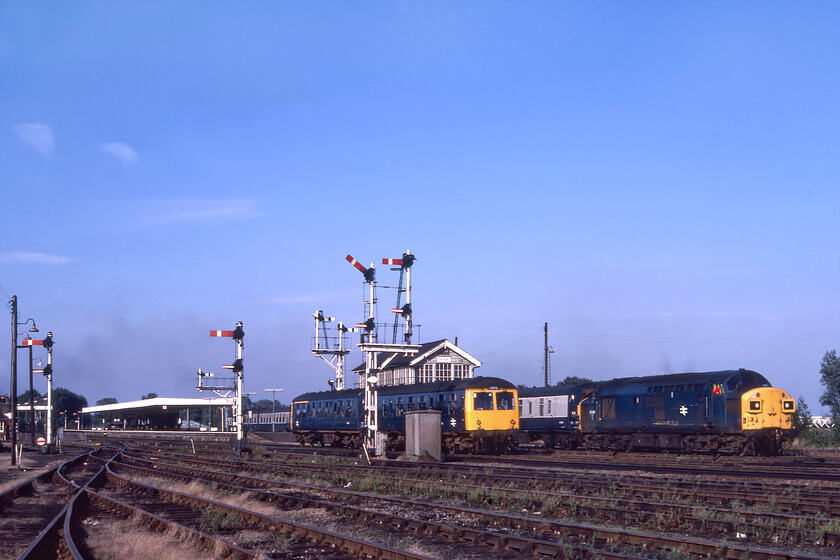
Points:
(733, 411)
(478, 415)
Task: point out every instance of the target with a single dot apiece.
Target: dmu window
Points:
(504, 400)
(483, 401)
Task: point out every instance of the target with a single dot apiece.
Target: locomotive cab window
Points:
(482, 401)
(504, 401)
(734, 382)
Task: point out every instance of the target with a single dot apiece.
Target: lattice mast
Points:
(548, 351)
(405, 311)
(333, 353)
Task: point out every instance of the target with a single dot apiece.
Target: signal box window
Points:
(483, 401)
(504, 400)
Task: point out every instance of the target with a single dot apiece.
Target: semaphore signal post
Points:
(223, 387)
(370, 345)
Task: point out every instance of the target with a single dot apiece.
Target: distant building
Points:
(439, 360)
(821, 421)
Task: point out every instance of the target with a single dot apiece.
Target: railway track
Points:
(729, 488)
(757, 468)
(523, 533)
(56, 514)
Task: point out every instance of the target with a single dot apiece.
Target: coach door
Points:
(716, 405)
(586, 412)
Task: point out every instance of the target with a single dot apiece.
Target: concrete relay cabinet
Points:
(422, 434)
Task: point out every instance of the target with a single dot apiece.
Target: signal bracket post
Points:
(238, 335)
(372, 350)
(369, 343)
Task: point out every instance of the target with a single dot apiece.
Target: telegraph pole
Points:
(13, 377)
(547, 375)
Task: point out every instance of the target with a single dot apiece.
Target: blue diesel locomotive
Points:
(733, 411)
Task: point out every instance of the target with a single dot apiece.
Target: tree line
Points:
(830, 380)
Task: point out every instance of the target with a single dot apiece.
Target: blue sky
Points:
(659, 181)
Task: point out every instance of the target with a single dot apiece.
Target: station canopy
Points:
(157, 402)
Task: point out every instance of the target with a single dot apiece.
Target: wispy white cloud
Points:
(313, 298)
(682, 313)
(199, 211)
(34, 258)
(141, 214)
(123, 152)
(37, 136)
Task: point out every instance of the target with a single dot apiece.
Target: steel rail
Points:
(609, 508)
(584, 532)
(822, 502)
(51, 541)
(712, 470)
(322, 537)
(161, 524)
(520, 544)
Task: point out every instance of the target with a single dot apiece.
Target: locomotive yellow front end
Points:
(491, 416)
(767, 418)
(767, 408)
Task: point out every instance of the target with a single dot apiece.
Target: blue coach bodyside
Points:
(445, 396)
(328, 410)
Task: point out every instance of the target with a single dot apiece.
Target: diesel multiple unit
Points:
(477, 415)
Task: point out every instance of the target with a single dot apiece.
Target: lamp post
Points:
(250, 412)
(273, 391)
(13, 374)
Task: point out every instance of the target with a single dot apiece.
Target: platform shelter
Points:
(161, 413)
